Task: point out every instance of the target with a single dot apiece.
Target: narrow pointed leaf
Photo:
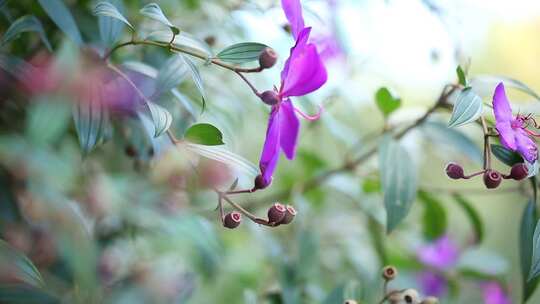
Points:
(242, 52)
(153, 11)
(197, 79)
(434, 218)
(204, 134)
(62, 17)
(19, 265)
(508, 157)
(173, 72)
(467, 109)
(161, 118)
(90, 116)
(473, 216)
(110, 28)
(223, 155)
(109, 10)
(462, 79)
(526, 235)
(509, 82)
(535, 261)
(26, 24)
(452, 139)
(398, 180)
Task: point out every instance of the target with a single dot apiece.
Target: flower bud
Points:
(270, 97)
(454, 171)
(276, 213)
(389, 273)
(410, 296)
(519, 171)
(430, 300)
(289, 215)
(492, 179)
(259, 183)
(267, 58)
(232, 220)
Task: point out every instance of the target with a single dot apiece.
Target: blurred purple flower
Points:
(432, 284)
(303, 73)
(441, 254)
(513, 132)
(494, 293)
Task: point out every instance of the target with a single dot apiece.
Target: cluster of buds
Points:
(492, 178)
(404, 296)
(278, 214)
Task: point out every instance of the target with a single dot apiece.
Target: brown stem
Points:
(248, 83)
(487, 150)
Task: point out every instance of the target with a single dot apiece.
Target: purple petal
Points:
(506, 134)
(441, 255)
(289, 127)
(526, 146)
(304, 70)
(270, 153)
(432, 284)
(501, 106)
(493, 293)
(293, 12)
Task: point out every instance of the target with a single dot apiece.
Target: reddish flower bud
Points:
(267, 58)
(519, 171)
(389, 273)
(232, 220)
(276, 213)
(270, 97)
(259, 183)
(492, 179)
(289, 215)
(454, 171)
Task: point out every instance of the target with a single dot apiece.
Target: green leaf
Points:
(336, 295)
(510, 82)
(526, 234)
(109, 10)
(204, 134)
(90, 120)
(111, 28)
(453, 139)
(506, 156)
(473, 216)
(47, 120)
(61, 16)
(242, 52)
(161, 118)
(153, 11)
(398, 179)
(221, 154)
(371, 186)
(467, 109)
(535, 261)
(24, 294)
(173, 72)
(19, 265)
(23, 24)
(434, 218)
(386, 102)
(197, 79)
(462, 79)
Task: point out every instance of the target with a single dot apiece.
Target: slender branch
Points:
(248, 83)
(487, 150)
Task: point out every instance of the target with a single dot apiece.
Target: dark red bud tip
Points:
(276, 213)
(454, 171)
(259, 183)
(267, 58)
(270, 97)
(232, 220)
(389, 273)
(289, 215)
(492, 179)
(519, 171)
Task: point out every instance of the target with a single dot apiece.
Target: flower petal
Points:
(270, 153)
(526, 146)
(506, 135)
(293, 12)
(501, 106)
(289, 127)
(304, 70)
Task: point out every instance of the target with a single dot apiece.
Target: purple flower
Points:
(513, 132)
(493, 293)
(441, 254)
(432, 284)
(303, 73)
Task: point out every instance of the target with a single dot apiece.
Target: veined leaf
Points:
(508, 157)
(161, 118)
(453, 139)
(153, 11)
(204, 134)
(467, 109)
(18, 264)
(17, 67)
(434, 218)
(242, 52)
(526, 242)
(110, 28)
(90, 116)
(516, 84)
(61, 16)
(398, 180)
(109, 10)
(197, 79)
(221, 154)
(386, 102)
(474, 217)
(173, 72)
(535, 261)
(26, 23)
